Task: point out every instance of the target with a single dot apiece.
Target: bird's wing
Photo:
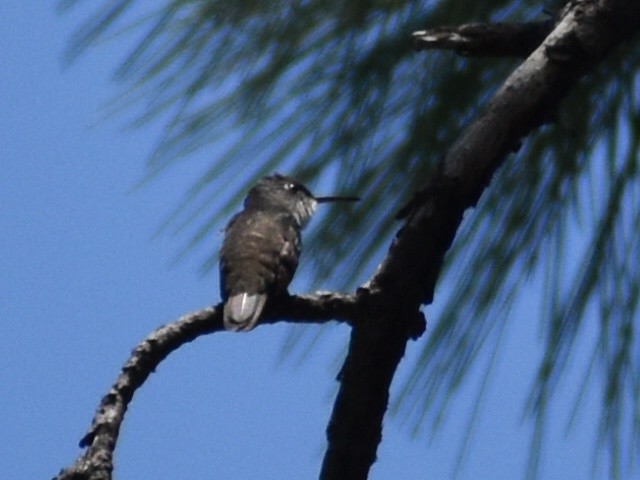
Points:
(258, 259)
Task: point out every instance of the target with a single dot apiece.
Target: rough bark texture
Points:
(385, 312)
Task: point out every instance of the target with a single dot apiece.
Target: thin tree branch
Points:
(529, 98)
(96, 463)
(485, 39)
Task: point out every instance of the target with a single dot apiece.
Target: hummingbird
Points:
(262, 245)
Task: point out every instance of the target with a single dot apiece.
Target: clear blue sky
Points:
(83, 279)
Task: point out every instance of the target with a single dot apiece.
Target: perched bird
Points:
(261, 247)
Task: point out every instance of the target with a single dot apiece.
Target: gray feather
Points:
(242, 311)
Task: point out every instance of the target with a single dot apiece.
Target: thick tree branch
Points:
(96, 463)
(529, 98)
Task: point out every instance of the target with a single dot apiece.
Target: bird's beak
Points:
(336, 199)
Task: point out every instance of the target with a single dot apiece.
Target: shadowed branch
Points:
(528, 99)
(485, 39)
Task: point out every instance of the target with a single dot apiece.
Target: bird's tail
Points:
(242, 311)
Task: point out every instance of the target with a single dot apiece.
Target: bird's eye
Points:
(290, 186)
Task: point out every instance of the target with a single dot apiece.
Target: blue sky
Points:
(83, 279)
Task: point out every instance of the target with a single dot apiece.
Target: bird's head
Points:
(279, 192)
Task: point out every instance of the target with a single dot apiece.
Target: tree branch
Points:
(529, 98)
(96, 463)
(484, 39)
